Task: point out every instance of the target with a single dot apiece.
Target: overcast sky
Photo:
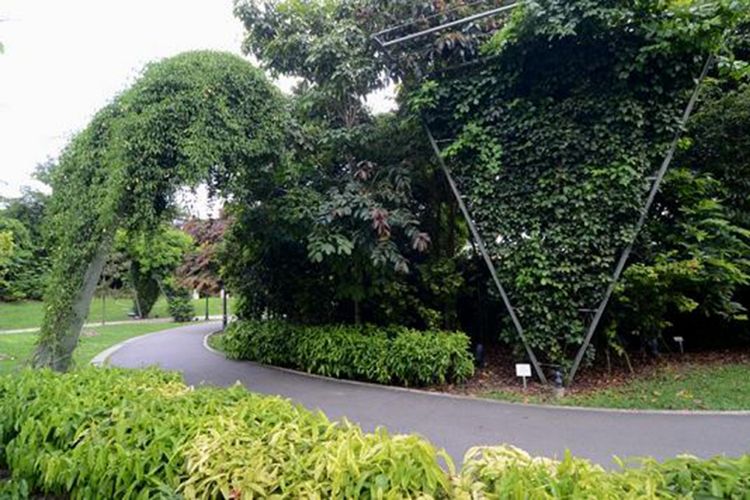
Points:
(64, 59)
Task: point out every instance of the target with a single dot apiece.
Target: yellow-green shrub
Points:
(506, 472)
(144, 434)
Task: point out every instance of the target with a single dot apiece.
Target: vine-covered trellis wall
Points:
(555, 133)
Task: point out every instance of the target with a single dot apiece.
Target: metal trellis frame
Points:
(478, 241)
(657, 180)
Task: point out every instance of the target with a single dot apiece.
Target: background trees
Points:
(553, 137)
(336, 215)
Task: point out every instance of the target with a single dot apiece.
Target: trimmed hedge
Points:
(389, 355)
(144, 434)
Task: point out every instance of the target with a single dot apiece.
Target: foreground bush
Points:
(145, 434)
(507, 472)
(384, 355)
(126, 434)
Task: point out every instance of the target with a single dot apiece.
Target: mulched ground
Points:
(499, 372)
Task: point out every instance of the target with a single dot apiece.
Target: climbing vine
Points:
(554, 136)
(197, 117)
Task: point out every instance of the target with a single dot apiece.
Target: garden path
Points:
(454, 423)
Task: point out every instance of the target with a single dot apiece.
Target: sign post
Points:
(680, 341)
(523, 370)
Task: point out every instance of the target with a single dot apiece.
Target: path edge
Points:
(422, 392)
(102, 359)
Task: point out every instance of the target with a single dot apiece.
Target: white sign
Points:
(523, 370)
(678, 339)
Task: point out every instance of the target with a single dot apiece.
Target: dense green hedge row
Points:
(145, 434)
(385, 355)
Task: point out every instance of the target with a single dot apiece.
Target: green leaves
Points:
(384, 355)
(137, 434)
(199, 117)
(553, 138)
(145, 434)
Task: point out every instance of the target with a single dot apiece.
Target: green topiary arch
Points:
(200, 117)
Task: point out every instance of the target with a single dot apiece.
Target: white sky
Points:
(64, 59)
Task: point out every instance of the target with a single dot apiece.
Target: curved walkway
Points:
(453, 423)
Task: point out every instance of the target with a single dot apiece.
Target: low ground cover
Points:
(396, 355)
(29, 313)
(112, 433)
(694, 381)
(16, 349)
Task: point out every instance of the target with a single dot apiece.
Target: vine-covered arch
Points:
(199, 117)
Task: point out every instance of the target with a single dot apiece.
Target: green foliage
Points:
(384, 355)
(693, 259)
(507, 472)
(21, 268)
(347, 204)
(553, 136)
(23, 216)
(6, 246)
(720, 145)
(145, 434)
(97, 433)
(154, 256)
(197, 117)
(157, 253)
(179, 302)
(326, 247)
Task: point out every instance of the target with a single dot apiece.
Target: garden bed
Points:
(715, 380)
(386, 355)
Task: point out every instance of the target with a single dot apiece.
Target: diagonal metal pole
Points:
(457, 22)
(483, 250)
(479, 242)
(641, 220)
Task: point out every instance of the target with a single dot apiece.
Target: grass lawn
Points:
(28, 314)
(17, 348)
(685, 386)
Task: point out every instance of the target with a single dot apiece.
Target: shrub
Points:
(507, 472)
(116, 433)
(179, 304)
(265, 342)
(125, 434)
(384, 355)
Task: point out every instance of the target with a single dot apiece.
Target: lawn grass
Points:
(685, 386)
(28, 314)
(16, 349)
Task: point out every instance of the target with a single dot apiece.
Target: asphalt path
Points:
(453, 423)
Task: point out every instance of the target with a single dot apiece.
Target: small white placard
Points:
(523, 370)
(678, 339)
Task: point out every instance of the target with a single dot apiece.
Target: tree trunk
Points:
(56, 351)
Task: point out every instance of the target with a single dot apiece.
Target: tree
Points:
(21, 270)
(154, 257)
(691, 262)
(30, 263)
(200, 268)
(355, 215)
